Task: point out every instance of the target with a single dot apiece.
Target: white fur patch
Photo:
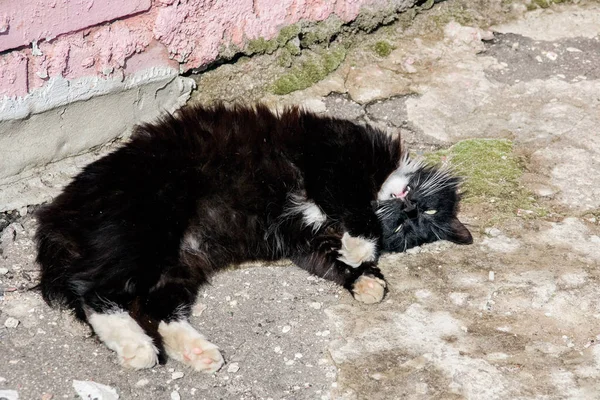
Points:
(398, 180)
(190, 243)
(122, 334)
(356, 250)
(312, 215)
(184, 343)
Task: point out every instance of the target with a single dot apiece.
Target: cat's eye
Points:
(398, 228)
(430, 212)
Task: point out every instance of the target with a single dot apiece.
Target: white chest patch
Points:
(312, 215)
(398, 180)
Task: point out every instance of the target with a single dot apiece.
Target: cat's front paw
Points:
(185, 344)
(369, 289)
(138, 355)
(202, 355)
(357, 250)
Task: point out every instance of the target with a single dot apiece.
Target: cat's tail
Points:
(57, 252)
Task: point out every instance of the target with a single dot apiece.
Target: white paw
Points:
(138, 355)
(356, 250)
(123, 335)
(184, 343)
(368, 289)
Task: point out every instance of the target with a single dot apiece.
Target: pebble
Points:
(9, 395)
(177, 375)
(377, 376)
(11, 322)
(175, 395)
(94, 390)
(198, 309)
(47, 396)
(233, 368)
(491, 275)
(286, 329)
(493, 232)
(3, 271)
(277, 349)
(142, 382)
(316, 305)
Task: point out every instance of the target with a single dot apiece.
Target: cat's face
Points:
(418, 204)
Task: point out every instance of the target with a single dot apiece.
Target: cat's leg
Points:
(122, 334)
(327, 259)
(171, 304)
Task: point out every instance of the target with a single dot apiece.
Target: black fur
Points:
(145, 226)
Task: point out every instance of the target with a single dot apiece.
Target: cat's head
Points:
(418, 204)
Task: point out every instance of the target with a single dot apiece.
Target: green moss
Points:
(285, 58)
(321, 32)
(383, 48)
(287, 33)
(542, 3)
(454, 12)
(261, 46)
(492, 174)
(310, 71)
(293, 48)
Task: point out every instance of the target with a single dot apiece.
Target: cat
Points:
(129, 241)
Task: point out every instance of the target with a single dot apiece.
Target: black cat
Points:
(131, 239)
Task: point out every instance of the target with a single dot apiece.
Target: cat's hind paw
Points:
(124, 336)
(138, 355)
(369, 289)
(356, 250)
(184, 343)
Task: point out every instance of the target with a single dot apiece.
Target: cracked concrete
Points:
(514, 316)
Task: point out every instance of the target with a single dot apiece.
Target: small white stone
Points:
(493, 232)
(175, 395)
(277, 349)
(233, 303)
(491, 275)
(3, 271)
(289, 362)
(377, 376)
(298, 355)
(142, 382)
(551, 55)
(94, 390)
(325, 333)
(233, 368)
(316, 305)
(198, 309)
(177, 375)
(573, 50)
(11, 322)
(9, 394)
(286, 329)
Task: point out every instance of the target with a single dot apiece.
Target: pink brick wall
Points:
(77, 38)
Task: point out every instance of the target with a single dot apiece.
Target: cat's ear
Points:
(459, 233)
